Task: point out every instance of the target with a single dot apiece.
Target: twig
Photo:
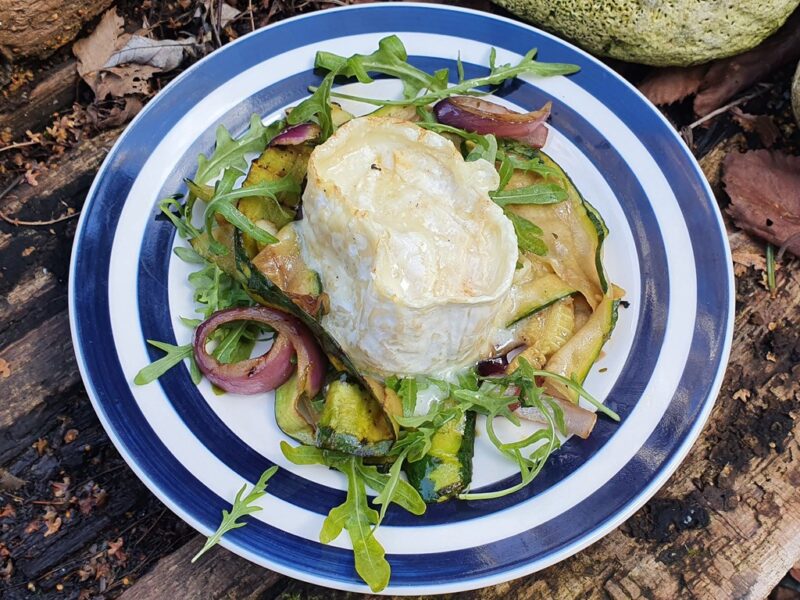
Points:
(18, 145)
(728, 106)
(215, 22)
(149, 529)
(11, 186)
(252, 18)
(97, 475)
(791, 239)
(19, 223)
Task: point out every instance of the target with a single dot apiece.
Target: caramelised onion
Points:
(491, 367)
(266, 372)
(484, 117)
(578, 421)
(296, 134)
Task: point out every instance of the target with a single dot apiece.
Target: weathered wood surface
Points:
(30, 108)
(727, 525)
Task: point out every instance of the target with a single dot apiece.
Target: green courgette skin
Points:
(290, 421)
(593, 217)
(455, 468)
(263, 291)
(352, 422)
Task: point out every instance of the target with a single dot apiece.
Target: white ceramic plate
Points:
(661, 369)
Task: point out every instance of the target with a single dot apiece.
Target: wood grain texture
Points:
(39, 27)
(219, 574)
(32, 107)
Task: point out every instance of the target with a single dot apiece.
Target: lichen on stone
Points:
(658, 32)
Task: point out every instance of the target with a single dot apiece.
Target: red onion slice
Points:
(267, 372)
(484, 117)
(578, 421)
(296, 134)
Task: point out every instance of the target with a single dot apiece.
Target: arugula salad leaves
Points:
(211, 210)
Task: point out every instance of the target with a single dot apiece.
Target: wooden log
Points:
(32, 107)
(50, 437)
(219, 574)
(39, 27)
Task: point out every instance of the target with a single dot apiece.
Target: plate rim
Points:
(600, 530)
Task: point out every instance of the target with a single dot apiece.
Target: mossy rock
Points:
(658, 32)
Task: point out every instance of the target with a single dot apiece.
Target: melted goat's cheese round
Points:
(415, 257)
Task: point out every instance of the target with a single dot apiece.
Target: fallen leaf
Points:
(727, 77)
(5, 368)
(164, 55)
(746, 252)
(8, 511)
(59, 488)
(92, 496)
(94, 51)
(70, 436)
(762, 125)
(85, 571)
(30, 177)
(115, 551)
(40, 446)
(52, 521)
(33, 526)
(122, 81)
(9, 482)
(764, 187)
(120, 113)
(28, 251)
(7, 570)
(227, 14)
(673, 84)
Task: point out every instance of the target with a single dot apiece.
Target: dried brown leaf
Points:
(5, 369)
(116, 552)
(673, 84)
(164, 55)
(122, 81)
(727, 77)
(9, 482)
(764, 187)
(8, 512)
(70, 436)
(762, 125)
(94, 51)
(33, 526)
(59, 488)
(746, 251)
(52, 521)
(40, 446)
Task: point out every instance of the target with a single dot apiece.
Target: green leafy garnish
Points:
(317, 108)
(415, 80)
(231, 153)
(390, 59)
(528, 234)
(174, 355)
(357, 518)
(407, 391)
(537, 193)
(355, 515)
(392, 488)
(241, 507)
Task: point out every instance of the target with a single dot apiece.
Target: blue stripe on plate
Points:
(163, 473)
(216, 436)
